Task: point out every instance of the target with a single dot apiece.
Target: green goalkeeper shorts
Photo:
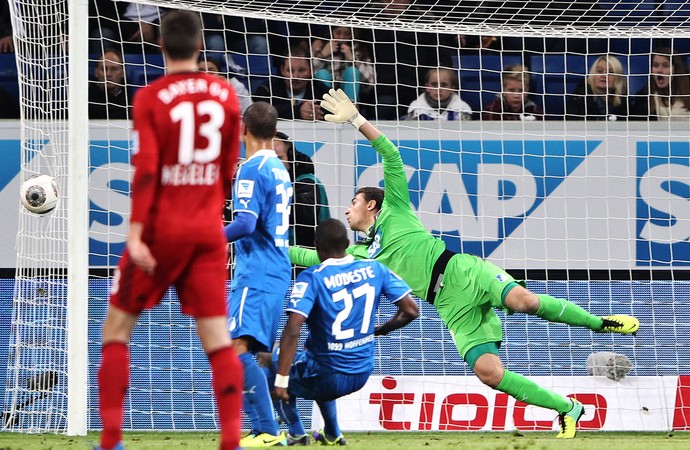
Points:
(472, 288)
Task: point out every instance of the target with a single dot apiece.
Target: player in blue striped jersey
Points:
(338, 300)
(262, 196)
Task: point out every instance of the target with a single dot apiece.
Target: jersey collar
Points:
(336, 261)
(263, 153)
(371, 232)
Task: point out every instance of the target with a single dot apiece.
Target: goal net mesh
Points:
(585, 204)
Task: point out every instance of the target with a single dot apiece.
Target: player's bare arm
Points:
(288, 349)
(407, 312)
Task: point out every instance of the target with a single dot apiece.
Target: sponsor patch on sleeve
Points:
(299, 289)
(245, 188)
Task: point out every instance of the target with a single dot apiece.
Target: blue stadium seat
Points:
(258, 69)
(8, 65)
(8, 74)
(254, 64)
(480, 76)
(638, 72)
(148, 59)
(142, 69)
(139, 77)
(630, 46)
(555, 75)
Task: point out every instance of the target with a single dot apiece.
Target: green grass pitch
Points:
(377, 441)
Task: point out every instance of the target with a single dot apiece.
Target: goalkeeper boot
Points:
(304, 439)
(619, 323)
(569, 420)
(321, 438)
(254, 440)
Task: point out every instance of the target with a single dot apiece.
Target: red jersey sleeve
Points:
(232, 153)
(145, 157)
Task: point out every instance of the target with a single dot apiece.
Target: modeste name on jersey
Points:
(192, 86)
(353, 276)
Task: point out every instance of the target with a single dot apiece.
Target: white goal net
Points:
(549, 137)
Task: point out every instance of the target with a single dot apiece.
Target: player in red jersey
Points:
(186, 146)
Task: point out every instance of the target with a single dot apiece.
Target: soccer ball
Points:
(39, 194)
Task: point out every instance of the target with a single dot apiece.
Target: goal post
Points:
(78, 226)
(590, 210)
(48, 355)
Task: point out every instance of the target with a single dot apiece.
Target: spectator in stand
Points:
(603, 95)
(108, 93)
(513, 103)
(440, 99)
(6, 42)
(310, 202)
(124, 26)
(104, 26)
(344, 63)
(667, 97)
(401, 58)
(247, 35)
(216, 44)
(214, 66)
(295, 94)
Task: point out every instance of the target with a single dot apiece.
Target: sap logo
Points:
(110, 181)
(476, 193)
(10, 150)
(375, 245)
(663, 204)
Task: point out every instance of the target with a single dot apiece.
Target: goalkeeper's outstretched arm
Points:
(303, 256)
(342, 110)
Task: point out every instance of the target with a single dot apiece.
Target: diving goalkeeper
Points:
(463, 288)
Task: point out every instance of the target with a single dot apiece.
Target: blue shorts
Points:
(256, 314)
(311, 381)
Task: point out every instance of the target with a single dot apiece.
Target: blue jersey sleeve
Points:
(263, 190)
(249, 190)
(393, 287)
(303, 295)
(243, 225)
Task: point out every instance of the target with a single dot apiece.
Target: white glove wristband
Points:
(282, 381)
(357, 121)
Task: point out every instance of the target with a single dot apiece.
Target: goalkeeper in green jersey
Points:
(463, 288)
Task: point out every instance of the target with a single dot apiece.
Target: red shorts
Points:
(197, 271)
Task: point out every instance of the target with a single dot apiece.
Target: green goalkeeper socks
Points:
(559, 310)
(531, 393)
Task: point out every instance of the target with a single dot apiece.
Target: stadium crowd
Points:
(392, 74)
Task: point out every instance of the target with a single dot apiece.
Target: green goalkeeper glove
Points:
(341, 108)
